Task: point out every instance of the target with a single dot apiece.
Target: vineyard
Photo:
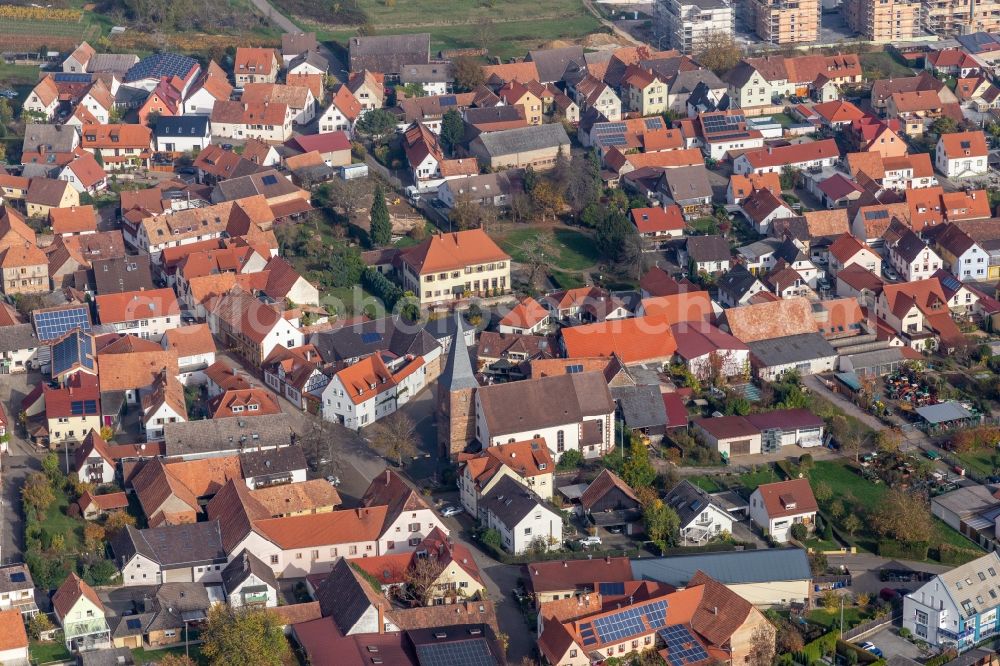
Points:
(30, 28)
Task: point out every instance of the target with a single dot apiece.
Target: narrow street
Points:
(21, 459)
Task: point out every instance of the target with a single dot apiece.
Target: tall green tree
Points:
(662, 523)
(243, 636)
(381, 226)
(452, 130)
(638, 472)
(583, 186)
(378, 124)
(37, 494)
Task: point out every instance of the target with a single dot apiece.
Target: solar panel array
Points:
(611, 589)
(54, 324)
(160, 65)
(609, 134)
(876, 214)
(654, 123)
(75, 348)
(683, 648)
(83, 407)
(467, 653)
(448, 100)
(628, 622)
(69, 77)
(133, 624)
(18, 577)
(723, 123)
(371, 337)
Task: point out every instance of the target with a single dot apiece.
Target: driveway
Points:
(891, 644)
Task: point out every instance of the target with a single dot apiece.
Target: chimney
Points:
(715, 610)
(387, 476)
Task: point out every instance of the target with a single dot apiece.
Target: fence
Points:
(872, 625)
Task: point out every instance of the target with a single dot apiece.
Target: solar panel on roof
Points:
(966, 145)
(54, 324)
(466, 652)
(160, 65)
(876, 214)
(611, 588)
(269, 179)
(69, 77)
(18, 577)
(133, 624)
(631, 622)
(653, 123)
(683, 648)
(371, 337)
(66, 353)
(449, 100)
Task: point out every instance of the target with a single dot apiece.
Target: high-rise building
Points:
(685, 24)
(960, 17)
(883, 20)
(786, 21)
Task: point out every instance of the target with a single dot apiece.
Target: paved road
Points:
(22, 458)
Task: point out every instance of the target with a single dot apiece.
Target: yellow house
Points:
(45, 194)
(72, 411)
(516, 93)
(644, 91)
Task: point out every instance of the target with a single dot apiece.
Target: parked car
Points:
(870, 647)
(333, 480)
(890, 273)
(450, 510)
(590, 541)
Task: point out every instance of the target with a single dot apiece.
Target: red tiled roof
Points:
(133, 305)
(634, 340)
(787, 498)
(656, 219)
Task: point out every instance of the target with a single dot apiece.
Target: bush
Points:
(799, 531)
(569, 460)
(906, 551)
(949, 554)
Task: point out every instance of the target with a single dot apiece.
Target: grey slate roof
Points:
(172, 545)
(524, 139)
(758, 249)
(53, 138)
(15, 571)
(272, 461)
(688, 80)
(641, 406)
(544, 402)
(708, 248)
(688, 501)
(116, 63)
(687, 183)
(434, 72)
(216, 436)
(388, 53)
(311, 57)
(876, 357)
(387, 334)
(510, 502)
(182, 126)
(121, 274)
(109, 657)
(943, 412)
(552, 64)
(297, 42)
(747, 566)
(736, 282)
(909, 246)
(792, 349)
(458, 374)
(739, 75)
(240, 568)
(17, 337)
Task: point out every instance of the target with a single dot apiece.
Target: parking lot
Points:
(891, 644)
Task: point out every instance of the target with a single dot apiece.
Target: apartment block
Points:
(960, 17)
(685, 24)
(884, 20)
(786, 21)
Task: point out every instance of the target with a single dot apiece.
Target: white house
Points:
(913, 258)
(13, 638)
(183, 134)
(521, 517)
(957, 608)
(147, 314)
(962, 155)
(362, 393)
(802, 156)
(94, 463)
(260, 120)
(195, 350)
(775, 507)
(962, 255)
(164, 404)
(247, 581)
(847, 250)
(150, 557)
(408, 519)
(701, 516)
(343, 111)
(43, 99)
(573, 411)
(81, 614)
(747, 86)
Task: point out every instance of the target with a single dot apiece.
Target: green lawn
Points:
(565, 249)
(566, 280)
(980, 461)
(520, 26)
(820, 544)
(750, 480)
(830, 619)
(944, 534)
(881, 64)
(706, 483)
(783, 118)
(43, 653)
(57, 522)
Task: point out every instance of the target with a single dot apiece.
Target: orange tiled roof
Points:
(134, 305)
(525, 314)
(452, 251)
(634, 340)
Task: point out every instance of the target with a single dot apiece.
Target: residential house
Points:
(260, 120)
(164, 404)
(738, 286)
(740, 187)
(183, 134)
(961, 254)
(490, 189)
(528, 462)
(13, 638)
(84, 174)
(299, 100)
(635, 341)
(294, 44)
(702, 517)
(521, 517)
(163, 101)
(94, 506)
(43, 100)
(917, 110)
(608, 502)
(408, 520)
(427, 162)
(211, 87)
(255, 65)
(776, 507)
(147, 73)
(81, 614)
(308, 62)
(187, 553)
(118, 146)
(93, 461)
(249, 583)
(919, 313)
(528, 317)
(956, 609)
(747, 86)
(656, 224)
(514, 93)
(369, 390)
(912, 257)
(644, 91)
(388, 54)
(252, 327)
(962, 155)
(688, 187)
(761, 207)
(343, 111)
(17, 591)
(333, 147)
(847, 251)
(147, 314)
(44, 194)
(952, 62)
(296, 374)
(368, 88)
(882, 137)
(593, 93)
(572, 579)
(707, 254)
(582, 422)
(822, 153)
(707, 350)
(451, 266)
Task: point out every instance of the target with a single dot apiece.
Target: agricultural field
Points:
(522, 25)
(32, 28)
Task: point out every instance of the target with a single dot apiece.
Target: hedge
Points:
(707, 548)
(864, 656)
(820, 647)
(949, 554)
(906, 551)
